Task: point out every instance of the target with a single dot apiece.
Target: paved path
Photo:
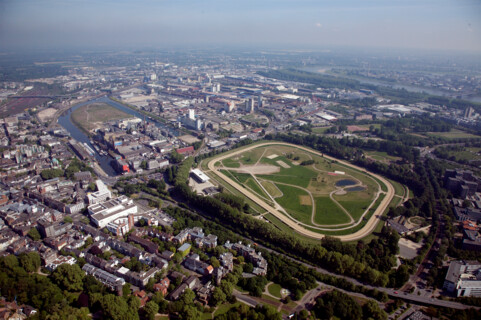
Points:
(364, 231)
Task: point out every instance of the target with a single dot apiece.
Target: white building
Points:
(102, 193)
(105, 212)
(199, 175)
(464, 279)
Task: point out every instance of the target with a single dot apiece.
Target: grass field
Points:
(92, 116)
(453, 134)
(305, 192)
(272, 189)
(382, 156)
(254, 186)
(290, 201)
(329, 213)
(275, 290)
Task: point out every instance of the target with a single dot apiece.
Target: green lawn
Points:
(295, 175)
(271, 189)
(453, 134)
(251, 157)
(275, 290)
(327, 212)
(290, 201)
(355, 207)
(254, 186)
(230, 163)
(320, 130)
(237, 176)
(382, 156)
(223, 308)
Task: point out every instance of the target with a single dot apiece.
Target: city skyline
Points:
(427, 24)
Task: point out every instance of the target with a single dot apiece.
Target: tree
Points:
(187, 297)
(151, 308)
(218, 296)
(51, 173)
(214, 262)
(68, 219)
(30, 261)
(190, 312)
(68, 277)
(34, 234)
(176, 157)
(371, 310)
(116, 308)
(126, 289)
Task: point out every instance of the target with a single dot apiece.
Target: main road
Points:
(364, 231)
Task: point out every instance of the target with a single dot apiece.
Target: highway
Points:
(364, 231)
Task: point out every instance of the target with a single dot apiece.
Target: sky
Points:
(301, 24)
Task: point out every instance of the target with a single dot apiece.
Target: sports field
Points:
(317, 193)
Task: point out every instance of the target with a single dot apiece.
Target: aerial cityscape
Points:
(175, 166)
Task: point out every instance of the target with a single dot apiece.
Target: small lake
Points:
(353, 189)
(345, 183)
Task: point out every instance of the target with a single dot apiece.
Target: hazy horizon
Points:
(446, 25)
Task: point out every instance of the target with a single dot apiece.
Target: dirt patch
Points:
(305, 200)
(356, 128)
(283, 164)
(46, 114)
(258, 169)
(341, 192)
(272, 156)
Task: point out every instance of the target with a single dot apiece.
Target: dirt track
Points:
(366, 230)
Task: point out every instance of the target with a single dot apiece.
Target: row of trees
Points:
(342, 306)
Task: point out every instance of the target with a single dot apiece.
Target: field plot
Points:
(453, 134)
(92, 116)
(304, 189)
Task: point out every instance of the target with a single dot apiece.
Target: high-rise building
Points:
(468, 113)
(192, 114)
(250, 105)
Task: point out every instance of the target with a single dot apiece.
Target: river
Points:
(104, 161)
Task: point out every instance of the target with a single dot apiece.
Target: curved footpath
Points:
(364, 231)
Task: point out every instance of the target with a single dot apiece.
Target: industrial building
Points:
(464, 279)
(105, 212)
(199, 176)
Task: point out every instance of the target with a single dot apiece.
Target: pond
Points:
(345, 183)
(352, 189)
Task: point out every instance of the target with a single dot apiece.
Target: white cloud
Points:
(318, 25)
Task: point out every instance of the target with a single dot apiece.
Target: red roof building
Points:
(186, 151)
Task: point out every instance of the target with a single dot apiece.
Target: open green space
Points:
(291, 202)
(276, 171)
(254, 186)
(381, 156)
(272, 189)
(355, 207)
(329, 213)
(230, 163)
(453, 134)
(275, 290)
(295, 175)
(92, 116)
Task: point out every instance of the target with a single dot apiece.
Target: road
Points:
(245, 298)
(364, 231)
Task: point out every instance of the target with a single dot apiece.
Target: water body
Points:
(104, 161)
(352, 189)
(345, 182)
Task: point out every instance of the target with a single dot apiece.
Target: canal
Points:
(104, 161)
